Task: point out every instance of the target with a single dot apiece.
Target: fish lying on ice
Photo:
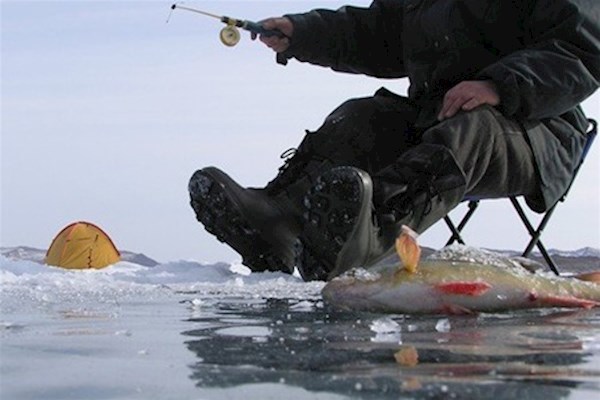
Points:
(456, 280)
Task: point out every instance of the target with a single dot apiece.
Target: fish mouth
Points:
(351, 292)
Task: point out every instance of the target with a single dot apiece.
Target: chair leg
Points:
(456, 236)
(536, 234)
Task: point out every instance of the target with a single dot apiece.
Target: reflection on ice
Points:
(245, 331)
(535, 354)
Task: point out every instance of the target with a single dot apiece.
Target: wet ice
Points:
(189, 330)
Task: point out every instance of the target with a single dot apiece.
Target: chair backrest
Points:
(591, 135)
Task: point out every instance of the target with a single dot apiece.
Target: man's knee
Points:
(348, 130)
(350, 116)
(470, 128)
(491, 149)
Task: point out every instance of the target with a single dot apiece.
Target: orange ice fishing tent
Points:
(82, 245)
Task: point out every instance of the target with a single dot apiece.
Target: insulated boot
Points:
(340, 230)
(352, 220)
(299, 172)
(258, 226)
(261, 224)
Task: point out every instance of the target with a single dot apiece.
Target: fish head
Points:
(353, 288)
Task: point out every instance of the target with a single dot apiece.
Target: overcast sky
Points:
(107, 111)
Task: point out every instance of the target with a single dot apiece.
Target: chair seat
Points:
(535, 232)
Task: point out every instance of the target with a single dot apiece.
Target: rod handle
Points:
(257, 28)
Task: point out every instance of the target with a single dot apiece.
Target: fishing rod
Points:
(230, 35)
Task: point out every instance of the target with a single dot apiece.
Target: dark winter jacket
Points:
(543, 55)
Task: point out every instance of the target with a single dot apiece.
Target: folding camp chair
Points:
(535, 233)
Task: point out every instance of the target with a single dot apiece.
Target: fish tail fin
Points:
(565, 301)
(593, 277)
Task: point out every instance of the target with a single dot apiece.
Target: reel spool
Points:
(230, 35)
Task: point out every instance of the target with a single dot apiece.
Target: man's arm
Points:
(351, 39)
(559, 68)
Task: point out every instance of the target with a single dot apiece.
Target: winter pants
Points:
(375, 133)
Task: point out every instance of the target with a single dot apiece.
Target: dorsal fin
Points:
(408, 249)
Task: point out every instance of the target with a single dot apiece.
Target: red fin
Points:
(565, 301)
(464, 288)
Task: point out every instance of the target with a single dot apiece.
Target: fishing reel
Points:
(230, 34)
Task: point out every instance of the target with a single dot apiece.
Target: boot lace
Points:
(295, 166)
(420, 196)
(292, 160)
(287, 156)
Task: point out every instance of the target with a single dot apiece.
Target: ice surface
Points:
(117, 332)
(187, 330)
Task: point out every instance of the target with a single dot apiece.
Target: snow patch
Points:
(28, 283)
(360, 274)
(240, 269)
(473, 255)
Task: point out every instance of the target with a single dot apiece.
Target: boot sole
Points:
(332, 208)
(220, 215)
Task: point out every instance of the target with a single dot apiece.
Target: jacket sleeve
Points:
(560, 64)
(351, 39)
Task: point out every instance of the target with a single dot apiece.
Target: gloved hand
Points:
(278, 44)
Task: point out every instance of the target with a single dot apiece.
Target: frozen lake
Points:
(184, 330)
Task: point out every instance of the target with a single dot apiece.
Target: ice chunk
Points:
(384, 325)
(443, 325)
